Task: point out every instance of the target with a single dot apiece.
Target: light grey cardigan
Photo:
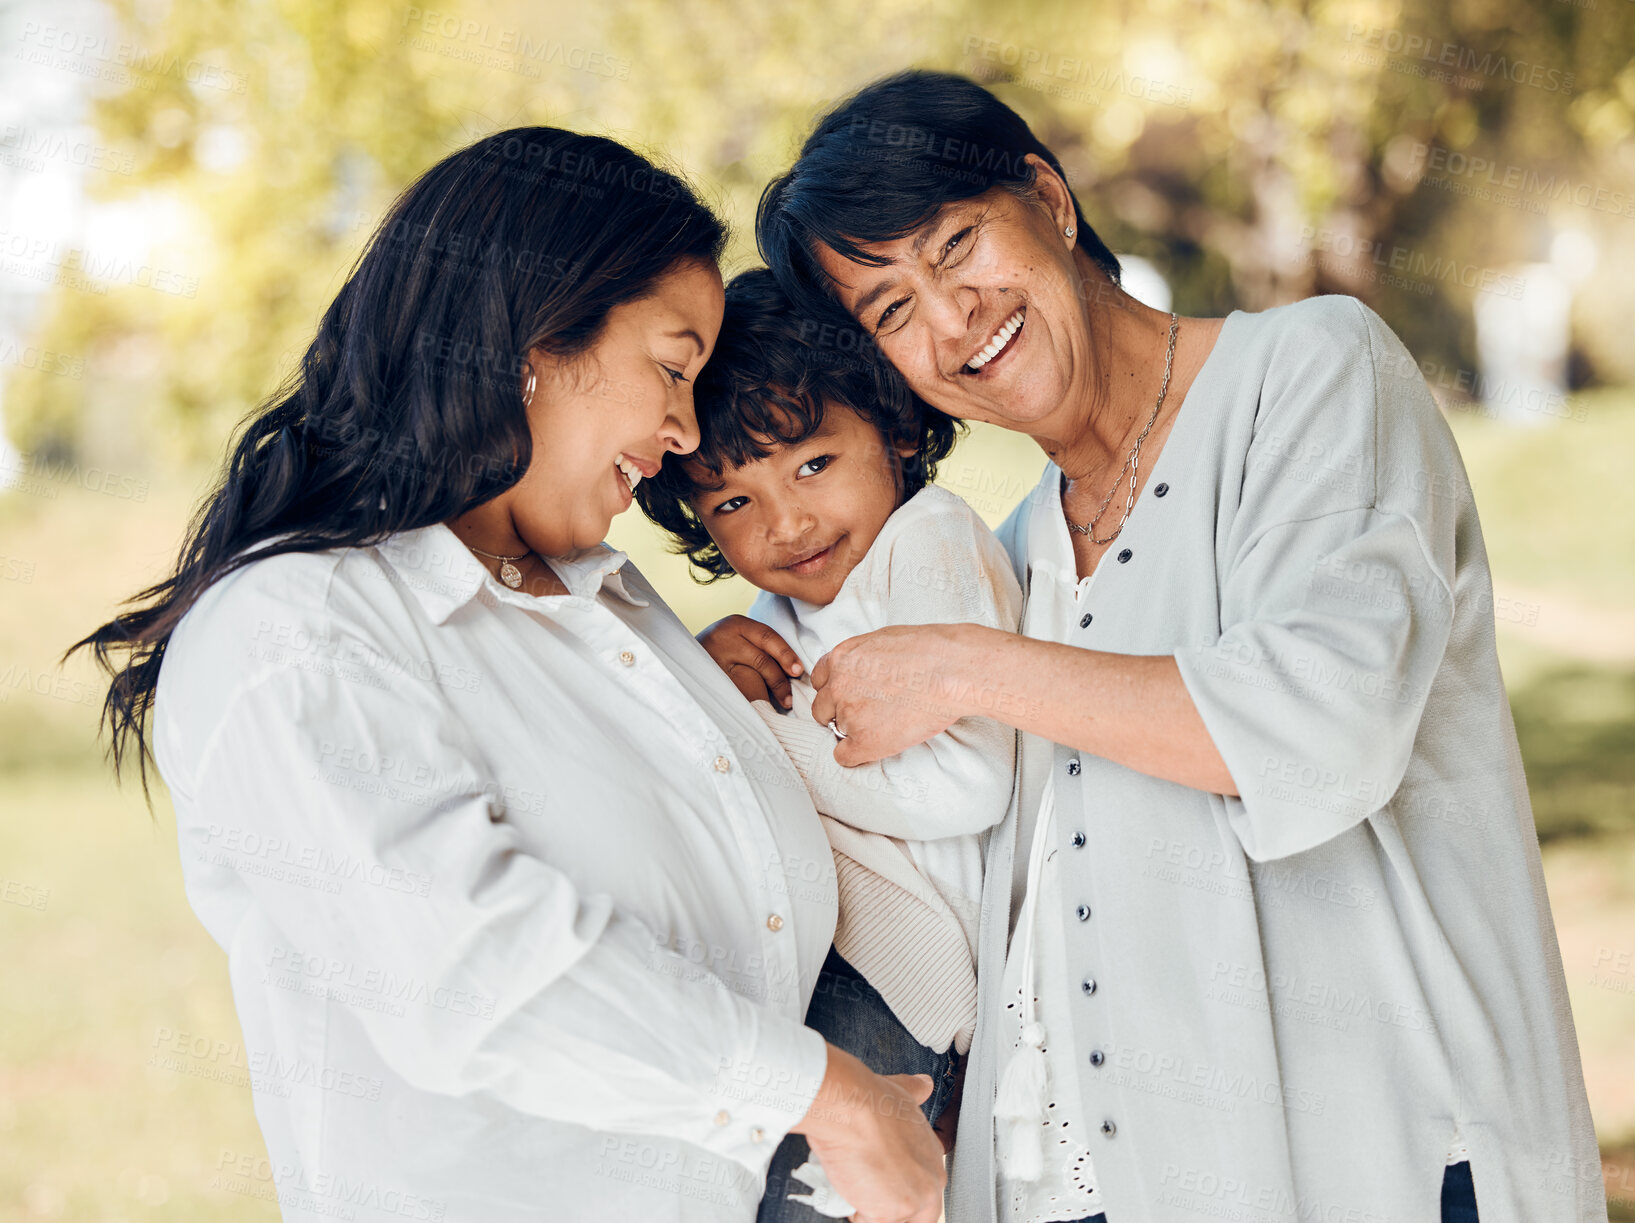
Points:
(1288, 1005)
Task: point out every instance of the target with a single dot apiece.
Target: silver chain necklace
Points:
(509, 573)
(1132, 462)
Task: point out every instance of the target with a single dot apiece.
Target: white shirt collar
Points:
(445, 576)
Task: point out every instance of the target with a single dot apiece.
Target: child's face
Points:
(796, 522)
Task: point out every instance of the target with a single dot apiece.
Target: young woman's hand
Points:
(875, 1144)
(756, 659)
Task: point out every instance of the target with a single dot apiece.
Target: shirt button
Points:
(1084, 620)
(757, 1134)
(774, 922)
(1078, 840)
(722, 1117)
(1088, 985)
(1108, 1128)
(628, 657)
(1082, 912)
(1073, 767)
(1160, 490)
(722, 764)
(1124, 556)
(1097, 1057)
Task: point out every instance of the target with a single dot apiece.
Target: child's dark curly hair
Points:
(765, 386)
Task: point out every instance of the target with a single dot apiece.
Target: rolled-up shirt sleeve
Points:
(546, 998)
(1313, 697)
(1336, 603)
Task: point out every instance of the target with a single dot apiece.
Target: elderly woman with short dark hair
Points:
(1265, 932)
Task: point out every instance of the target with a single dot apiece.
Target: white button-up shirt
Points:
(523, 905)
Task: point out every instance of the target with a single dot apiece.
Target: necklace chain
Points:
(1132, 462)
(509, 573)
(495, 556)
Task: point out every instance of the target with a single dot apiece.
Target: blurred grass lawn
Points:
(105, 963)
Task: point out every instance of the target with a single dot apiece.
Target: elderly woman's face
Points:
(983, 308)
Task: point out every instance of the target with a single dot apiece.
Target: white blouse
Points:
(1067, 1189)
(522, 890)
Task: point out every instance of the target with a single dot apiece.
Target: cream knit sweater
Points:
(907, 831)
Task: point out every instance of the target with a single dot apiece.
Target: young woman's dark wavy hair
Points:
(407, 408)
(882, 163)
(768, 383)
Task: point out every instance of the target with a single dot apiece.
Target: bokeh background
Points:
(184, 185)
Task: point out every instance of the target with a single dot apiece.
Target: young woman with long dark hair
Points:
(522, 903)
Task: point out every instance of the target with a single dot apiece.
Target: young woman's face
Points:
(798, 521)
(609, 416)
(983, 309)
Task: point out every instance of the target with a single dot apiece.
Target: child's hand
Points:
(756, 659)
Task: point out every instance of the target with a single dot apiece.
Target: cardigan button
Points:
(1073, 767)
(1097, 1057)
(1084, 620)
(1078, 840)
(1088, 986)
(1160, 490)
(1124, 556)
(1082, 912)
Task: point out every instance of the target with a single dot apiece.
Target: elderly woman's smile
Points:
(1000, 346)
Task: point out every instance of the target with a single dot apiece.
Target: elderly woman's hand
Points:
(874, 1143)
(895, 687)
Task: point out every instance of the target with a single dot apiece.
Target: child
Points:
(811, 482)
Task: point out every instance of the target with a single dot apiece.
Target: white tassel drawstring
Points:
(1022, 1103)
(824, 1197)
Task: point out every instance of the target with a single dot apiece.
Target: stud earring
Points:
(1069, 231)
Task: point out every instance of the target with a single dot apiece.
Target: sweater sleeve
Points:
(948, 568)
(1336, 595)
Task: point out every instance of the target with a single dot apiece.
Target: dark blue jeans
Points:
(1458, 1197)
(850, 1014)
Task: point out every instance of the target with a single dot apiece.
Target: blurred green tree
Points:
(1256, 152)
